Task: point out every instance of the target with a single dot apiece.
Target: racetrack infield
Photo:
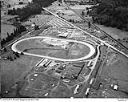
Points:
(54, 48)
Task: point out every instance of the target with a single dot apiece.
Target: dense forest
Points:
(112, 13)
(31, 9)
(44, 3)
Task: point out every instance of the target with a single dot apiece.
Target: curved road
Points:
(92, 50)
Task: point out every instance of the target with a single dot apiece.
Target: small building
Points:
(43, 62)
(114, 86)
(33, 25)
(90, 63)
(87, 91)
(47, 63)
(63, 34)
(66, 80)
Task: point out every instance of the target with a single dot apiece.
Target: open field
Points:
(39, 84)
(61, 91)
(114, 32)
(80, 8)
(42, 81)
(116, 69)
(72, 17)
(13, 71)
(6, 28)
(38, 19)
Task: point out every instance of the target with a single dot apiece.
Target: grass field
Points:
(42, 81)
(39, 86)
(6, 28)
(38, 19)
(117, 69)
(80, 8)
(61, 91)
(114, 32)
(42, 48)
(12, 71)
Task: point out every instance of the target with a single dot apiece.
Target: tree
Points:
(17, 54)
(3, 41)
(22, 28)
(5, 50)
(36, 27)
(82, 13)
(22, 53)
(89, 24)
(7, 34)
(10, 58)
(60, 1)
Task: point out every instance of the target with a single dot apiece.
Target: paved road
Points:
(104, 42)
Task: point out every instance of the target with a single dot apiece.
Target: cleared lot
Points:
(39, 84)
(116, 68)
(13, 71)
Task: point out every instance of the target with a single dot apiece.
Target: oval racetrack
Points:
(54, 48)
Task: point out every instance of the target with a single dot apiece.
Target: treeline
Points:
(31, 9)
(112, 13)
(11, 36)
(12, 56)
(44, 3)
(26, 12)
